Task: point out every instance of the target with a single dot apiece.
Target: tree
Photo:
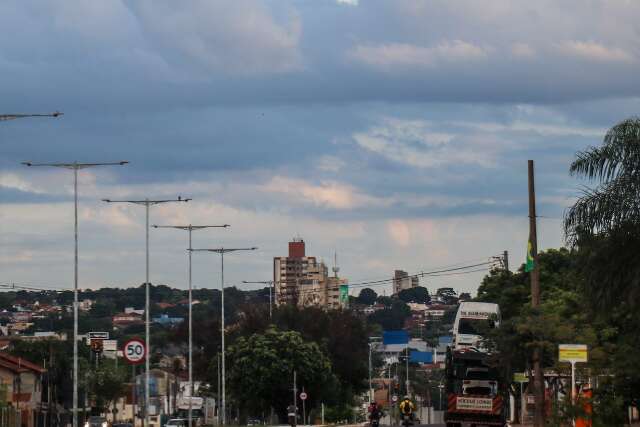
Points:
(604, 223)
(419, 294)
(447, 295)
(615, 167)
(367, 296)
(262, 365)
(106, 385)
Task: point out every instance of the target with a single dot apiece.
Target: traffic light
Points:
(96, 346)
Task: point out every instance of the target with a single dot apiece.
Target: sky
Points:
(394, 134)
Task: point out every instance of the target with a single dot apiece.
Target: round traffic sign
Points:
(134, 351)
(394, 398)
(303, 396)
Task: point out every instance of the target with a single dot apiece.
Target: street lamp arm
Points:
(223, 250)
(191, 227)
(76, 165)
(147, 202)
(20, 116)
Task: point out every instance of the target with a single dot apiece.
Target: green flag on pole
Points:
(528, 266)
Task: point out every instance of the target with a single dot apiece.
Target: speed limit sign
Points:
(134, 351)
(303, 396)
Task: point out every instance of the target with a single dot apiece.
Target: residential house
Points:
(21, 387)
(127, 319)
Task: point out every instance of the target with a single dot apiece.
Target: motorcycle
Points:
(407, 420)
(374, 423)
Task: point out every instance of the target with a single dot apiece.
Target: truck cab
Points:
(473, 320)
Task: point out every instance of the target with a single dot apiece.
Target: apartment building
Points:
(302, 280)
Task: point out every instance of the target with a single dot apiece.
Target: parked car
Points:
(96, 421)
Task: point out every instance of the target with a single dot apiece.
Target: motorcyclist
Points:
(407, 407)
(375, 413)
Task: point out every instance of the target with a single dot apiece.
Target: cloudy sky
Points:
(395, 133)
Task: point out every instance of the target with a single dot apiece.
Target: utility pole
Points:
(295, 399)
(147, 307)
(265, 282)
(75, 167)
(538, 380)
(190, 229)
(222, 251)
(505, 260)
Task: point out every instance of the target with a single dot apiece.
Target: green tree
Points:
(261, 370)
(367, 296)
(419, 294)
(105, 385)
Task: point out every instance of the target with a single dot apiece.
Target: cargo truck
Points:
(475, 395)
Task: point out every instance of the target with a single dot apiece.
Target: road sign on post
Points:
(573, 353)
(303, 396)
(134, 351)
(98, 335)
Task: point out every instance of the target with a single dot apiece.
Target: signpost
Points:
(134, 351)
(573, 353)
(98, 335)
(303, 397)
(521, 377)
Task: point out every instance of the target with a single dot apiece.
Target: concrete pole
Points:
(538, 380)
(190, 337)
(146, 326)
(223, 404)
(75, 298)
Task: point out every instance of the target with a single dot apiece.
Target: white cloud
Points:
(330, 164)
(595, 51)
(523, 50)
(240, 36)
(415, 143)
(326, 194)
(399, 232)
(15, 182)
(391, 55)
(348, 2)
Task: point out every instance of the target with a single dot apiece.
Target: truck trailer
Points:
(475, 395)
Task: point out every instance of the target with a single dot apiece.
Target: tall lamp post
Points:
(147, 203)
(4, 117)
(190, 229)
(270, 283)
(75, 167)
(223, 251)
(372, 341)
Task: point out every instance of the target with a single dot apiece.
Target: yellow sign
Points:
(520, 377)
(572, 353)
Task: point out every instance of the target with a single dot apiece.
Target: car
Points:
(96, 421)
(179, 422)
(253, 422)
(122, 425)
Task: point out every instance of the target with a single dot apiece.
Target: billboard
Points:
(395, 337)
(344, 295)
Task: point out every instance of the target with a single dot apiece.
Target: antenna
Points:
(335, 268)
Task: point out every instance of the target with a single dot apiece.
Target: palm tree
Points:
(615, 201)
(604, 223)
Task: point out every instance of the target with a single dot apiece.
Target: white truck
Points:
(472, 320)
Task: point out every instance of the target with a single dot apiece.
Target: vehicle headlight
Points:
(86, 424)
(104, 424)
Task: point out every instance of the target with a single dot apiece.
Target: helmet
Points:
(406, 397)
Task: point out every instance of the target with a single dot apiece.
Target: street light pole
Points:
(4, 117)
(190, 229)
(270, 283)
(147, 203)
(222, 251)
(75, 166)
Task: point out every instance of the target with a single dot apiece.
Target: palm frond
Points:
(619, 155)
(605, 208)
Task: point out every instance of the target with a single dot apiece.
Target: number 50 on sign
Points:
(134, 351)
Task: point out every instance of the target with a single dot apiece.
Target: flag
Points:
(528, 266)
